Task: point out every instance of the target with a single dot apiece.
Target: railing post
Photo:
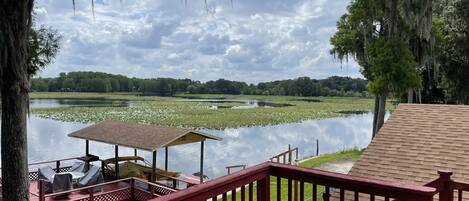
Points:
(102, 168)
(263, 189)
(446, 192)
(91, 192)
(41, 190)
(152, 189)
(132, 188)
(57, 166)
(289, 154)
(175, 183)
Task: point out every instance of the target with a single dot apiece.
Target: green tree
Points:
(453, 26)
(368, 21)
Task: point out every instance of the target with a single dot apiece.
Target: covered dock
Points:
(142, 137)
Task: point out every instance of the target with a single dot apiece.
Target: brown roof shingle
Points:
(141, 136)
(417, 141)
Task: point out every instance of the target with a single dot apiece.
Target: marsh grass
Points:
(174, 111)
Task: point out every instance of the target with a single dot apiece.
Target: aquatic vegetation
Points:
(169, 111)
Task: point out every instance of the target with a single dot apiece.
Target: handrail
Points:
(377, 187)
(229, 168)
(87, 187)
(261, 174)
(220, 185)
(284, 155)
(153, 184)
(51, 161)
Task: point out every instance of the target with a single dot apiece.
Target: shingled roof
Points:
(417, 141)
(141, 136)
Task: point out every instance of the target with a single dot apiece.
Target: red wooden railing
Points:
(448, 188)
(256, 182)
(122, 189)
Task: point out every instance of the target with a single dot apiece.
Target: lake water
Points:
(246, 104)
(47, 140)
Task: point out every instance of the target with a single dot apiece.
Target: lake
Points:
(47, 140)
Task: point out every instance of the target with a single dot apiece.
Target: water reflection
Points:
(250, 145)
(53, 103)
(247, 103)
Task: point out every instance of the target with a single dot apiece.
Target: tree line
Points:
(104, 82)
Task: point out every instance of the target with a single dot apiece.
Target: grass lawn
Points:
(355, 154)
(174, 111)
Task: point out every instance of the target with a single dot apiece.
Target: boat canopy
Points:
(140, 136)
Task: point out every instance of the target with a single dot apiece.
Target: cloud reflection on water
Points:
(250, 145)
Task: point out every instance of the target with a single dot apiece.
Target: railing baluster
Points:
(289, 190)
(357, 196)
(215, 198)
(326, 195)
(386, 198)
(243, 193)
(251, 198)
(315, 192)
(91, 192)
(42, 193)
(459, 195)
(279, 188)
(372, 197)
(233, 195)
(302, 190)
(132, 188)
(296, 191)
(342, 194)
(263, 189)
(224, 197)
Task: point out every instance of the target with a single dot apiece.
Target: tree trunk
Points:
(15, 24)
(381, 112)
(375, 116)
(410, 96)
(391, 13)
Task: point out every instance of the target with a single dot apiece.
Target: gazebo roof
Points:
(140, 136)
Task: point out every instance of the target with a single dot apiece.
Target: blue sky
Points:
(252, 41)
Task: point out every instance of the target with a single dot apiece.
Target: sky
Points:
(248, 40)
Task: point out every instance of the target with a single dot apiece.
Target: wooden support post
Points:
(296, 156)
(42, 192)
(102, 168)
(135, 154)
(317, 147)
(446, 192)
(153, 167)
(263, 189)
(166, 158)
(87, 152)
(57, 166)
(116, 154)
(202, 161)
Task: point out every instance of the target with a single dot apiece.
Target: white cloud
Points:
(253, 41)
